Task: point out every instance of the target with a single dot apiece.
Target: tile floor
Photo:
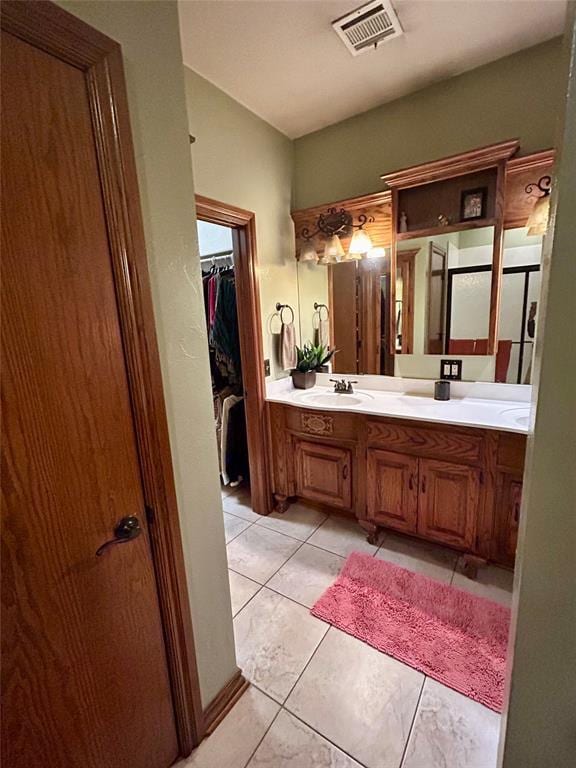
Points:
(320, 698)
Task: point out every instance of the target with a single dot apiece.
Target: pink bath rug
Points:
(446, 633)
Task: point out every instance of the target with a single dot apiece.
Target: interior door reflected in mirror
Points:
(443, 293)
(345, 306)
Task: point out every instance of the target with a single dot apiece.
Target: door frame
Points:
(243, 225)
(57, 32)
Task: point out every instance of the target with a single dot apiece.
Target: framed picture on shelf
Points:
(473, 204)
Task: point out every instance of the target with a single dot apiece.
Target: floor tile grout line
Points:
(266, 582)
(249, 525)
(268, 528)
(405, 750)
(257, 747)
(283, 707)
(306, 665)
(319, 733)
(312, 532)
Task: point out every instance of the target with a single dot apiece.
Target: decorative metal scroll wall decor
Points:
(538, 220)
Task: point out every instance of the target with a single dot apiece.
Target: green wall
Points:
(518, 96)
(241, 160)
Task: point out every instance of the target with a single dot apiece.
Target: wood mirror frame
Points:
(493, 157)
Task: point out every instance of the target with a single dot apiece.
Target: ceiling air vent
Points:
(368, 26)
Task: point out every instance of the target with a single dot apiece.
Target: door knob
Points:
(127, 529)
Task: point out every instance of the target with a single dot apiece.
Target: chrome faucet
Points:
(343, 387)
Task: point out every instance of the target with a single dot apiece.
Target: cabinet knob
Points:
(345, 472)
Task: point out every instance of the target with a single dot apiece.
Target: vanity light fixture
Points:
(538, 220)
(334, 224)
(308, 252)
(360, 244)
(333, 250)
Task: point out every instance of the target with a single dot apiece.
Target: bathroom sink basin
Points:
(332, 399)
(520, 416)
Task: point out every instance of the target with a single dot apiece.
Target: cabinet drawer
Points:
(322, 424)
(423, 441)
(324, 473)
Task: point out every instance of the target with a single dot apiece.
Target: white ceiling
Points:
(283, 60)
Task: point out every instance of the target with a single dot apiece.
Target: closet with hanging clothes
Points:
(219, 290)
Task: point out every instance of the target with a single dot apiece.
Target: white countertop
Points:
(488, 406)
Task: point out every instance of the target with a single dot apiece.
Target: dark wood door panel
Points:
(507, 517)
(324, 473)
(393, 490)
(448, 503)
(84, 671)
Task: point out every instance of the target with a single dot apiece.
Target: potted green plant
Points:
(323, 357)
(304, 375)
(311, 358)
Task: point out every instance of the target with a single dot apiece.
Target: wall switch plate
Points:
(451, 370)
(266, 367)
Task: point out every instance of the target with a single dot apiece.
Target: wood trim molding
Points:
(216, 212)
(454, 165)
(528, 162)
(497, 261)
(61, 34)
(250, 326)
(223, 702)
(351, 204)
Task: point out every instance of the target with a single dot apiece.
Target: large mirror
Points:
(442, 307)
(443, 293)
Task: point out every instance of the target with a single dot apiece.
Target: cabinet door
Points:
(448, 502)
(507, 517)
(324, 473)
(393, 490)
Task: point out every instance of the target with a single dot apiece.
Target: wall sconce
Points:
(308, 252)
(334, 224)
(538, 220)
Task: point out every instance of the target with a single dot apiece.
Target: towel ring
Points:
(280, 308)
(319, 308)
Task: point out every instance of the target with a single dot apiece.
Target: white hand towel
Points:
(288, 346)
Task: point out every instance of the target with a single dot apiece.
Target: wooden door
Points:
(343, 287)
(393, 490)
(371, 272)
(405, 274)
(448, 502)
(507, 517)
(324, 473)
(84, 673)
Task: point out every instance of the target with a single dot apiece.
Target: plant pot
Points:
(303, 380)
(323, 369)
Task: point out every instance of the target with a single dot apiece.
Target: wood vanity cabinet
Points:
(434, 499)
(323, 473)
(448, 502)
(456, 486)
(392, 490)
(508, 500)
(508, 496)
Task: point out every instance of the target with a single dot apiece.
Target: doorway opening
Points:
(227, 239)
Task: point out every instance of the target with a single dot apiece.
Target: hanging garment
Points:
(224, 336)
(288, 346)
(233, 441)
